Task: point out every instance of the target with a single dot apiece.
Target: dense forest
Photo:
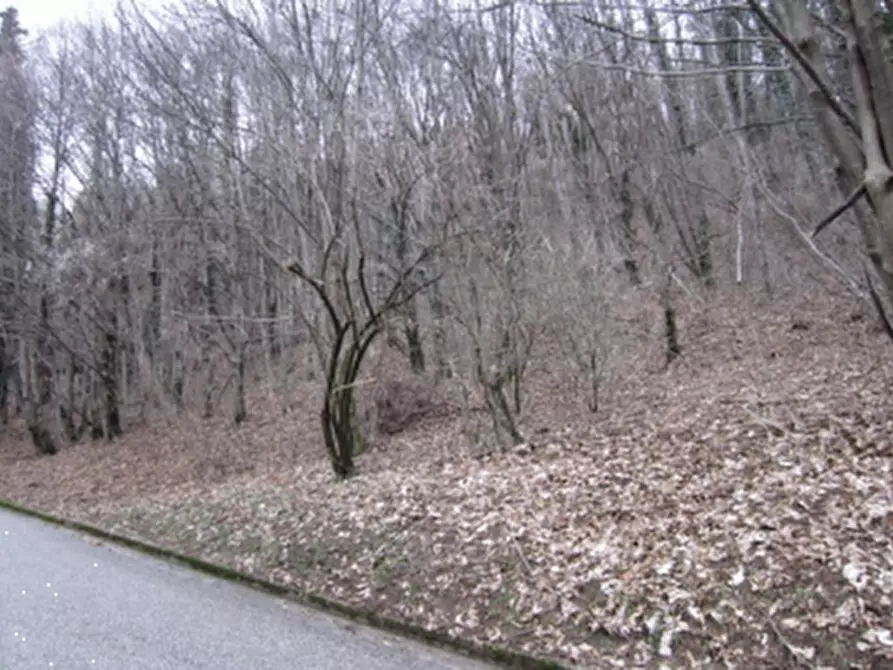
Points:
(196, 197)
(550, 328)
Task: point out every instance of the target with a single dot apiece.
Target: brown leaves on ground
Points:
(735, 511)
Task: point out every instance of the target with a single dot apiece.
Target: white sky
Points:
(36, 15)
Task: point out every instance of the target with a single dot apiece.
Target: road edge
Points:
(367, 617)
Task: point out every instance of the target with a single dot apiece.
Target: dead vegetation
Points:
(591, 386)
(734, 510)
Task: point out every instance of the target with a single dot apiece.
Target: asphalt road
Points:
(69, 603)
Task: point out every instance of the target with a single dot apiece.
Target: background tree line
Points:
(193, 198)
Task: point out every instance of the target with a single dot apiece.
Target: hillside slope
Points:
(734, 510)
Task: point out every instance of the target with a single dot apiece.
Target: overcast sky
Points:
(38, 14)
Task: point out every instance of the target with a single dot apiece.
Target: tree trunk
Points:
(240, 411)
(671, 332)
(627, 231)
(110, 382)
(343, 438)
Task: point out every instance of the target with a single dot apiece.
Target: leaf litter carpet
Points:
(734, 511)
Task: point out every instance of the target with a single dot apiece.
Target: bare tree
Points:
(226, 194)
(25, 276)
(862, 140)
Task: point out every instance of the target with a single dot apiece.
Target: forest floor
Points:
(734, 510)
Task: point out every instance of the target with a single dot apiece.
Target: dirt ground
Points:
(734, 510)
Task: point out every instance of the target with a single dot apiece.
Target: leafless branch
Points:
(853, 198)
(694, 73)
(810, 71)
(653, 39)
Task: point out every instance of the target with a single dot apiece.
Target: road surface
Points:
(71, 603)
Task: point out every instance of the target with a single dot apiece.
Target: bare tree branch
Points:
(811, 72)
(854, 197)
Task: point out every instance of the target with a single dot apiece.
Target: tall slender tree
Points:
(18, 215)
